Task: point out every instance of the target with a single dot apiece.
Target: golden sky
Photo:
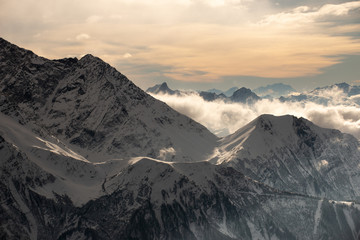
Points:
(193, 41)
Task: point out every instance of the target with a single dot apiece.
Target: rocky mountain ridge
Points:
(85, 154)
(90, 105)
(239, 95)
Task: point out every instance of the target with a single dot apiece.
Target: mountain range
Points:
(86, 154)
(269, 91)
(239, 95)
(341, 93)
(274, 90)
(162, 89)
(227, 93)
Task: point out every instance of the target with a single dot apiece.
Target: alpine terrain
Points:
(86, 154)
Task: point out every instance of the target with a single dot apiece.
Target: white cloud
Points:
(127, 55)
(224, 118)
(216, 3)
(82, 36)
(305, 14)
(301, 9)
(338, 9)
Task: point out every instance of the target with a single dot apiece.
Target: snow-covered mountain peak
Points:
(268, 134)
(294, 154)
(286, 126)
(93, 107)
(263, 133)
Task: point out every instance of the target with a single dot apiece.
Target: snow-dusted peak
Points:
(266, 134)
(286, 127)
(90, 57)
(294, 154)
(262, 134)
(90, 60)
(95, 108)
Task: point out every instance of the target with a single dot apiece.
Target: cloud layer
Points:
(224, 118)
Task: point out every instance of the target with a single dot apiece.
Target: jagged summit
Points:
(244, 95)
(89, 58)
(211, 96)
(164, 86)
(162, 89)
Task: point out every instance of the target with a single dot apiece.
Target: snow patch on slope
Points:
(317, 216)
(75, 176)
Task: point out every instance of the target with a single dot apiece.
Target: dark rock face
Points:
(162, 89)
(244, 95)
(209, 96)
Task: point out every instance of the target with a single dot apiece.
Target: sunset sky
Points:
(197, 44)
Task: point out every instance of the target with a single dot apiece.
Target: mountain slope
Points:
(90, 105)
(295, 155)
(230, 91)
(149, 199)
